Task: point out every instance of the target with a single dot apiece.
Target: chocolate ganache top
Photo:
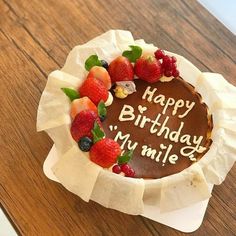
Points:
(165, 123)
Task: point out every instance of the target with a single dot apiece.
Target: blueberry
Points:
(85, 143)
(104, 64)
(102, 118)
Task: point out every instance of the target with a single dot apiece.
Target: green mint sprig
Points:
(97, 132)
(126, 157)
(71, 93)
(92, 61)
(102, 111)
(133, 54)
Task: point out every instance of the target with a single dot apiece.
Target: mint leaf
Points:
(71, 93)
(125, 158)
(98, 134)
(92, 61)
(133, 54)
(102, 111)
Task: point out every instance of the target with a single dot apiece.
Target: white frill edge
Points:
(79, 175)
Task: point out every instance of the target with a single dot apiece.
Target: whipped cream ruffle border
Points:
(79, 175)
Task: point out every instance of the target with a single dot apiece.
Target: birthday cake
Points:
(134, 125)
(155, 124)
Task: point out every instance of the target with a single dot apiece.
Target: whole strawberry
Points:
(105, 152)
(148, 68)
(94, 89)
(83, 124)
(121, 69)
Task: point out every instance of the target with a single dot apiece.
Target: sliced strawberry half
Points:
(101, 74)
(81, 104)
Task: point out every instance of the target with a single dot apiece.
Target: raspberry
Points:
(169, 66)
(166, 60)
(174, 66)
(130, 173)
(175, 73)
(116, 169)
(173, 59)
(159, 54)
(167, 73)
(125, 168)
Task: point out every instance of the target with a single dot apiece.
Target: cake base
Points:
(191, 217)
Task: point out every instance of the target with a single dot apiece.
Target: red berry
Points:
(148, 68)
(94, 89)
(174, 66)
(130, 173)
(121, 69)
(116, 169)
(166, 60)
(173, 59)
(175, 73)
(105, 152)
(83, 124)
(169, 66)
(168, 73)
(159, 54)
(125, 168)
(162, 70)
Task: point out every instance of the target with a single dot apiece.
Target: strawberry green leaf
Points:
(102, 111)
(92, 61)
(71, 93)
(133, 54)
(126, 157)
(97, 132)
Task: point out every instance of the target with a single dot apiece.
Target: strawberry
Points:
(101, 74)
(105, 152)
(81, 104)
(94, 89)
(83, 124)
(148, 68)
(121, 69)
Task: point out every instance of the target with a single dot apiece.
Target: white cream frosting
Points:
(109, 99)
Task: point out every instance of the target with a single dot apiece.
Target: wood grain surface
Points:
(35, 39)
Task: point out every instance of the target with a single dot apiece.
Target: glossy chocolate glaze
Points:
(197, 122)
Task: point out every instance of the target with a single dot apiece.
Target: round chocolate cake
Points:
(165, 123)
(137, 117)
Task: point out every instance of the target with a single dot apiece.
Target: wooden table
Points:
(35, 39)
